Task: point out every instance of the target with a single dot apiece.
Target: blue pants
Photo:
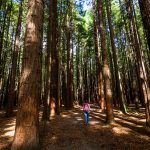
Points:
(86, 117)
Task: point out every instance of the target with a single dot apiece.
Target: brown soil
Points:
(68, 131)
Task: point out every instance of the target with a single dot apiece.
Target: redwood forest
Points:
(56, 56)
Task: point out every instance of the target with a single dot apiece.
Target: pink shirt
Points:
(86, 107)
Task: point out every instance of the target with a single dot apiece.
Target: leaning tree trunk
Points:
(27, 121)
(106, 69)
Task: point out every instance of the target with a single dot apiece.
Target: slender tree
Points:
(119, 93)
(46, 101)
(12, 88)
(98, 58)
(54, 59)
(69, 61)
(4, 26)
(106, 69)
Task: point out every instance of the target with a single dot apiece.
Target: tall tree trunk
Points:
(54, 61)
(9, 69)
(141, 72)
(106, 69)
(27, 121)
(98, 60)
(12, 88)
(145, 12)
(8, 44)
(69, 48)
(78, 69)
(118, 90)
(2, 30)
(85, 76)
(64, 86)
(46, 101)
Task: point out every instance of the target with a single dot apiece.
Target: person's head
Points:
(85, 101)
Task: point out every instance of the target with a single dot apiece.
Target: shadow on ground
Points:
(68, 131)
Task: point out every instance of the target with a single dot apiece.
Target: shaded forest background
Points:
(55, 53)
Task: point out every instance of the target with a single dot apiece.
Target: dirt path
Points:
(68, 132)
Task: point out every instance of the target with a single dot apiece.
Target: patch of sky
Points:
(85, 4)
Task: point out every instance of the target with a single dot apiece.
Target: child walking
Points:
(86, 110)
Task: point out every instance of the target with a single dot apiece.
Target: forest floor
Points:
(68, 131)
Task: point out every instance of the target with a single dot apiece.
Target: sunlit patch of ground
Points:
(7, 129)
(69, 132)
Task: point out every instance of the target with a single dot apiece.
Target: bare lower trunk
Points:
(54, 59)
(27, 121)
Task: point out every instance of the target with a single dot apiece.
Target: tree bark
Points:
(141, 72)
(100, 91)
(69, 48)
(54, 59)
(145, 12)
(46, 101)
(27, 121)
(118, 90)
(106, 69)
(12, 88)
(2, 31)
